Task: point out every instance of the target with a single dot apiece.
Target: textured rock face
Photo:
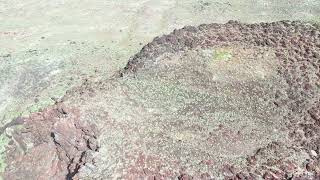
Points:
(233, 101)
(53, 144)
(297, 47)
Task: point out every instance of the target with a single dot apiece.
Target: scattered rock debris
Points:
(297, 46)
(55, 144)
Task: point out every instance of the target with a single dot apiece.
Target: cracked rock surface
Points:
(52, 144)
(222, 101)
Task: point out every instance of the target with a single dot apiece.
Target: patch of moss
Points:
(222, 54)
(37, 107)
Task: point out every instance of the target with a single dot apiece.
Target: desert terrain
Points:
(96, 90)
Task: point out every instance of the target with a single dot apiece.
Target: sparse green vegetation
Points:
(222, 54)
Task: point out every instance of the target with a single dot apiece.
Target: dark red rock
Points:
(61, 144)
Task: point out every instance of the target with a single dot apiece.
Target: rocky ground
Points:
(217, 101)
(187, 91)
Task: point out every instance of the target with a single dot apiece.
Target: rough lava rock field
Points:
(225, 99)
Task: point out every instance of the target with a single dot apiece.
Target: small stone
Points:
(205, 176)
(241, 176)
(184, 177)
(7, 55)
(228, 171)
(313, 153)
(222, 38)
(310, 166)
(269, 176)
(54, 99)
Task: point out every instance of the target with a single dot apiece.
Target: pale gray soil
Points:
(47, 47)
